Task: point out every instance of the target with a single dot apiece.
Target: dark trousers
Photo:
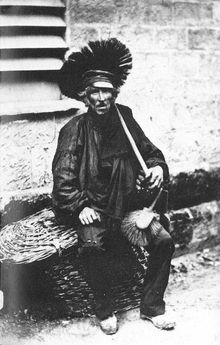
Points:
(100, 246)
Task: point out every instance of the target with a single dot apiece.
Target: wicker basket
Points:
(71, 291)
(46, 263)
(35, 238)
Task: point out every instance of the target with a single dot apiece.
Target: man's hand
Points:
(153, 180)
(88, 215)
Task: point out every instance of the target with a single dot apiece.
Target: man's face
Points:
(100, 99)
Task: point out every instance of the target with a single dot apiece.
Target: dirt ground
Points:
(193, 297)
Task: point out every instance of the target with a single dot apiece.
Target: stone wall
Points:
(173, 89)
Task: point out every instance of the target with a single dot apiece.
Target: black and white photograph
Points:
(109, 172)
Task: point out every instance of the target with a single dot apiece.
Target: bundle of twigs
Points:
(138, 225)
(35, 238)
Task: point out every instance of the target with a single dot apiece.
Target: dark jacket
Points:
(76, 166)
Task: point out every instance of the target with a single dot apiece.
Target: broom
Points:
(137, 225)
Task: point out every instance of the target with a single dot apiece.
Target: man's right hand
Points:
(88, 215)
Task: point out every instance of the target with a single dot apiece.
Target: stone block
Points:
(155, 119)
(79, 35)
(108, 30)
(216, 13)
(130, 12)
(158, 14)
(166, 88)
(209, 150)
(138, 38)
(148, 104)
(142, 3)
(157, 66)
(119, 11)
(97, 3)
(204, 39)
(202, 89)
(197, 114)
(206, 13)
(187, 13)
(189, 147)
(181, 150)
(170, 38)
(91, 12)
(218, 108)
(28, 132)
(142, 11)
(192, 1)
(153, 115)
(184, 65)
(209, 66)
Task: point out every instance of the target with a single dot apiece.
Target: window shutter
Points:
(32, 47)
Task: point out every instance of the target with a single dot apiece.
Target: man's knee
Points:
(91, 237)
(90, 251)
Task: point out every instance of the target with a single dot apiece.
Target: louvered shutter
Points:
(32, 46)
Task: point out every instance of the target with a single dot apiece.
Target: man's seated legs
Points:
(93, 261)
(161, 249)
(107, 259)
(93, 258)
(96, 251)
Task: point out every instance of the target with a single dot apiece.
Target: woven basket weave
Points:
(35, 238)
(56, 287)
(38, 238)
(71, 291)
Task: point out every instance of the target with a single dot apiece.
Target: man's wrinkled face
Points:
(100, 99)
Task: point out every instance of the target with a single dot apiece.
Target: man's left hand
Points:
(154, 179)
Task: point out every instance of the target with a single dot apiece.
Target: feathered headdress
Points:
(101, 60)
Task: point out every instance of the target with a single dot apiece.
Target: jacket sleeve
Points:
(67, 198)
(150, 153)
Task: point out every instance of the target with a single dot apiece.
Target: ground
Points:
(193, 296)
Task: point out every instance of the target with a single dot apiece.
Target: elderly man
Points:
(97, 178)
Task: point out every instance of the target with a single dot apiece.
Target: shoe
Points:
(110, 325)
(160, 321)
